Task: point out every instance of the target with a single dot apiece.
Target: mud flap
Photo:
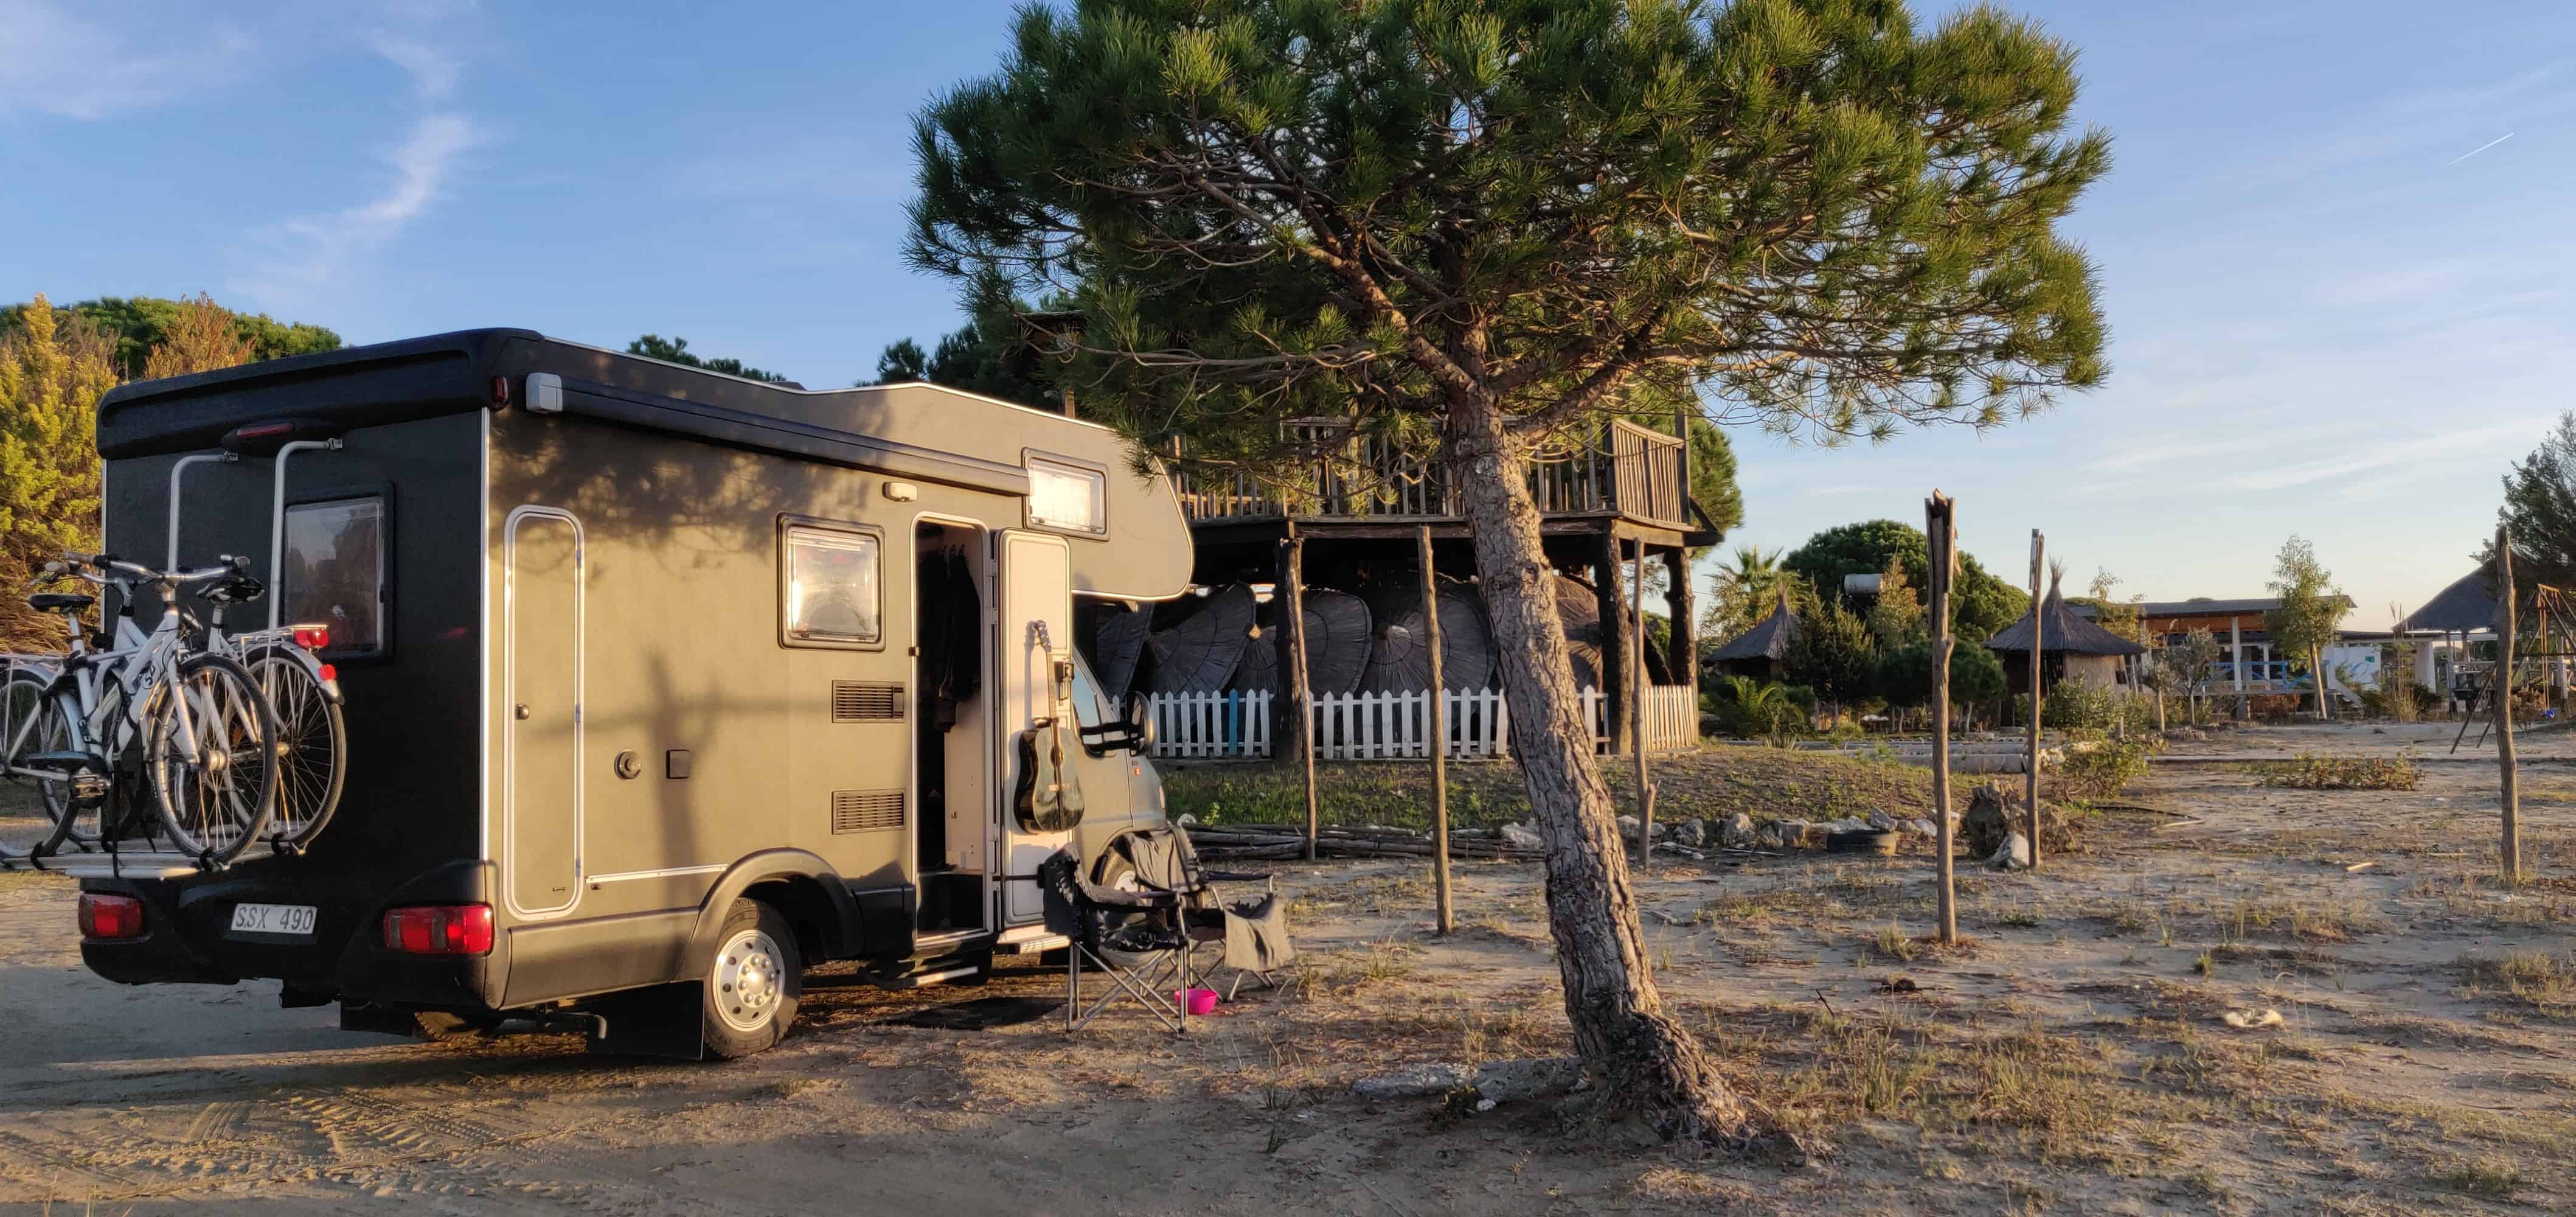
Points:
(662, 1020)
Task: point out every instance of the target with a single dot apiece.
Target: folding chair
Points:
(1098, 921)
(1252, 933)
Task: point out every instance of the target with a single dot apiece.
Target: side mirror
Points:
(1140, 723)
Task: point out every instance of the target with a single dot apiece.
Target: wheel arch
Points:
(801, 886)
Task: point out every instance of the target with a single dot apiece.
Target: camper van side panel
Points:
(406, 824)
(705, 735)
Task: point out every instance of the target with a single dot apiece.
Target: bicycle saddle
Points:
(60, 602)
(234, 590)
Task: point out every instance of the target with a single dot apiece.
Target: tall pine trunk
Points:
(1647, 1063)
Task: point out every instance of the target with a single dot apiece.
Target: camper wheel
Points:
(754, 981)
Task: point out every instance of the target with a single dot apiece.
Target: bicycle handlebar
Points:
(114, 565)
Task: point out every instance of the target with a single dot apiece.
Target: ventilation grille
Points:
(866, 810)
(867, 701)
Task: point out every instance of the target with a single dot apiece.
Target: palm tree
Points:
(1744, 590)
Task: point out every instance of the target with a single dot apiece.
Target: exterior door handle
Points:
(521, 711)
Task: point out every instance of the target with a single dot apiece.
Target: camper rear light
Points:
(107, 917)
(313, 637)
(439, 929)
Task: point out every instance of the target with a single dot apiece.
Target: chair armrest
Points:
(1236, 876)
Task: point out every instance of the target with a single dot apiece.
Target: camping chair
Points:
(1253, 934)
(1104, 923)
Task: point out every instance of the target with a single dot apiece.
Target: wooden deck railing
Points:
(1626, 469)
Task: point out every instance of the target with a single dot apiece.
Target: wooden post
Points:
(1439, 738)
(2509, 855)
(2038, 647)
(1289, 727)
(1614, 643)
(1637, 709)
(1305, 690)
(1941, 526)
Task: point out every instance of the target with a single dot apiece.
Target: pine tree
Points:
(1476, 231)
(52, 373)
(201, 338)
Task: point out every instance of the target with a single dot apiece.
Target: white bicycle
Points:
(147, 711)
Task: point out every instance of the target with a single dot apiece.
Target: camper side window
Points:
(335, 571)
(829, 594)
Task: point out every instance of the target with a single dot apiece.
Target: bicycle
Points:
(313, 734)
(208, 737)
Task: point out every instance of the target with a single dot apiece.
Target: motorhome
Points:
(661, 685)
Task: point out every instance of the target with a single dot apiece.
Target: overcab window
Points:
(335, 571)
(1067, 497)
(830, 593)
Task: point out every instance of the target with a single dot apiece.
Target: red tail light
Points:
(439, 929)
(329, 673)
(105, 916)
(313, 637)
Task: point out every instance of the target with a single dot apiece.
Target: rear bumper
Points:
(188, 938)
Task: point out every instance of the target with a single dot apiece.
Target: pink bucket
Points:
(1199, 1002)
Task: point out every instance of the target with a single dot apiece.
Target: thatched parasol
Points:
(1337, 645)
(1399, 662)
(2060, 630)
(1118, 644)
(1198, 651)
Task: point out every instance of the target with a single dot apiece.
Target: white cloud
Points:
(57, 60)
(312, 251)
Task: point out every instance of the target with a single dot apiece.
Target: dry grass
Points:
(2534, 978)
(2312, 772)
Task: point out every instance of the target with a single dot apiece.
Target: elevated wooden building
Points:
(1354, 520)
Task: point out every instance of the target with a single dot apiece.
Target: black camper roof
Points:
(392, 382)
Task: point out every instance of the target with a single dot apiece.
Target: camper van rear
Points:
(660, 684)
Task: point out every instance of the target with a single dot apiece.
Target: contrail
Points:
(2480, 148)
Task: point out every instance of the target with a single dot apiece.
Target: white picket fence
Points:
(1390, 726)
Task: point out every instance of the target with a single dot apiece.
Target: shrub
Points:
(2313, 772)
(2097, 768)
(1748, 708)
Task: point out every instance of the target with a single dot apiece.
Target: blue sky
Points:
(2338, 307)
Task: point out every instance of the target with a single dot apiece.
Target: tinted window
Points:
(335, 570)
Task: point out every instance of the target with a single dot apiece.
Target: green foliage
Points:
(52, 372)
(1896, 617)
(1905, 676)
(1746, 589)
(1751, 709)
(2540, 507)
(676, 350)
(2078, 704)
(988, 356)
(2312, 607)
(137, 324)
(1833, 654)
(2313, 772)
(2098, 768)
(1980, 603)
(1390, 212)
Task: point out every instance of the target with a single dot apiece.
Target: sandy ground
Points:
(2075, 1058)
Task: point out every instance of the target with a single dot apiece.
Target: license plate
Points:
(273, 919)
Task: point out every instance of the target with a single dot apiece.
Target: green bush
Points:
(2098, 768)
(2313, 772)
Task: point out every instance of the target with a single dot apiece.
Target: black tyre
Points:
(38, 806)
(753, 982)
(217, 803)
(312, 745)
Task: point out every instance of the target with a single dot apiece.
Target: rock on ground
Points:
(1418, 1082)
(1737, 831)
(1693, 832)
(2013, 854)
(1524, 835)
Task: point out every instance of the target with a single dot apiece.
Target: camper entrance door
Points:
(1033, 634)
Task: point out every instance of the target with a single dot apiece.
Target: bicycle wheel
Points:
(216, 804)
(312, 745)
(36, 807)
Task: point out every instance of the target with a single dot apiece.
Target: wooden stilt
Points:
(1941, 526)
(1448, 916)
(1615, 656)
(2509, 850)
